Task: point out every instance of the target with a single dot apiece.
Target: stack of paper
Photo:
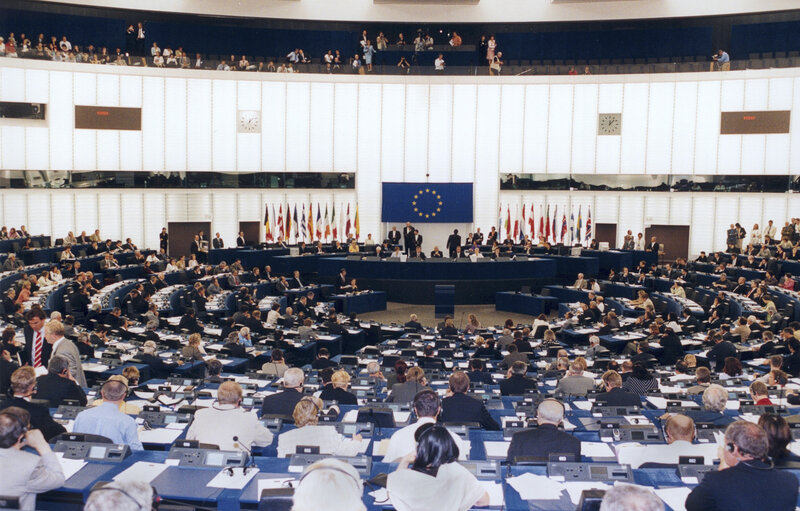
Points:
(596, 450)
(68, 466)
(141, 471)
(535, 487)
(496, 450)
(159, 435)
(495, 491)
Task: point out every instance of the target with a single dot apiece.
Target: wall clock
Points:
(249, 121)
(609, 124)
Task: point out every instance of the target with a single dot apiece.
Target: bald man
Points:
(545, 439)
(679, 435)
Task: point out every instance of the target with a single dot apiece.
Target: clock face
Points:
(249, 121)
(609, 124)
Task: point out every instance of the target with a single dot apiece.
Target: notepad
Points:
(141, 471)
(496, 450)
(68, 466)
(159, 436)
(596, 450)
(495, 491)
(536, 487)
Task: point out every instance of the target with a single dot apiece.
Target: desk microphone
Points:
(249, 454)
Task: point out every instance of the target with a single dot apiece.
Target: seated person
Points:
(23, 385)
(459, 407)
(193, 351)
(426, 408)
(614, 395)
(306, 333)
(640, 381)
(325, 478)
(323, 360)
(107, 420)
(575, 383)
(679, 434)
(124, 406)
(432, 478)
(234, 346)
(284, 402)
(516, 383)
(513, 356)
(703, 377)
(428, 360)
(485, 349)
(25, 474)
(227, 424)
(779, 436)
(630, 497)
(158, 368)
(759, 393)
(120, 496)
(715, 397)
(58, 384)
(477, 372)
(405, 392)
(413, 324)
(277, 366)
(337, 390)
(746, 478)
(308, 432)
(546, 438)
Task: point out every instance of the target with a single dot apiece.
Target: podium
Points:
(444, 301)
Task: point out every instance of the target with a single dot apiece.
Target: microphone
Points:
(249, 454)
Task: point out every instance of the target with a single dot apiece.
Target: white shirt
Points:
(439, 64)
(326, 437)
(453, 489)
(635, 454)
(402, 442)
(220, 423)
(639, 243)
(272, 317)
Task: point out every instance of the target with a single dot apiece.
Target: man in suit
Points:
(163, 239)
(580, 282)
(413, 323)
(575, 383)
(23, 385)
(453, 241)
(58, 384)
(459, 407)
(595, 350)
(233, 280)
(478, 373)
(240, 241)
(158, 368)
(513, 356)
(283, 403)
(545, 439)
(194, 248)
(653, 246)
(408, 238)
(722, 349)
(341, 280)
(218, 242)
(417, 240)
(715, 399)
(26, 474)
(393, 236)
(614, 395)
(37, 350)
(295, 282)
(516, 383)
(54, 333)
(746, 478)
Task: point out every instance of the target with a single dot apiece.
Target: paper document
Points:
(496, 450)
(535, 487)
(401, 416)
(674, 497)
(379, 448)
(381, 497)
(596, 450)
(159, 435)
(69, 467)
(495, 491)
(237, 481)
(141, 471)
(583, 405)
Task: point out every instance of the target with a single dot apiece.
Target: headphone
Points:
(20, 428)
(310, 400)
(358, 482)
(143, 507)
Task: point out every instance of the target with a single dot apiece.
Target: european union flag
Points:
(427, 202)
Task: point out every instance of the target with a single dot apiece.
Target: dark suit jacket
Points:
(516, 385)
(394, 237)
(322, 363)
(618, 397)
(27, 354)
(543, 441)
(218, 243)
(56, 389)
(40, 417)
(158, 368)
(749, 485)
(236, 349)
(462, 408)
(6, 368)
(481, 377)
(331, 393)
(281, 403)
(240, 242)
(722, 351)
(716, 418)
(453, 241)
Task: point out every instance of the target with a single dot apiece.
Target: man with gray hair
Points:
(715, 399)
(575, 383)
(58, 384)
(283, 403)
(121, 496)
(545, 439)
(374, 372)
(516, 383)
(595, 349)
(54, 334)
(630, 497)
(504, 340)
(227, 424)
(746, 478)
(107, 420)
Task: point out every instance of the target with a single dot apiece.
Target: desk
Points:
(629, 291)
(525, 303)
(611, 259)
(441, 270)
(568, 294)
(369, 301)
(569, 266)
(16, 244)
(250, 257)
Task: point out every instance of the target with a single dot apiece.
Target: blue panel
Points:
(427, 202)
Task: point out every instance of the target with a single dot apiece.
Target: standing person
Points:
(408, 238)
(140, 39)
(453, 241)
(130, 39)
(369, 51)
(163, 240)
(496, 64)
(491, 46)
(37, 350)
(483, 46)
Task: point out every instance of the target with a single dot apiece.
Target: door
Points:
(181, 235)
(606, 232)
(674, 240)
(252, 232)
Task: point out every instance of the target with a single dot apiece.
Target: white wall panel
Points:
(634, 128)
(297, 126)
(273, 126)
(61, 113)
(108, 155)
(15, 211)
(369, 177)
(756, 94)
(584, 128)
(223, 123)
(321, 129)
(155, 217)
(440, 132)
(777, 154)
(39, 213)
(732, 97)
(729, 154)
(659, 128)
(37, 86)
(726, 213)
(610, 98)
(198, 125)
(750, 212)
(656, 211)
(680, 209)
(110, 221)
(11, 80)
(153, 123)
(345, 127)
(701, 234)
(486, 154)
(392, 132)
(465, 132)
(107, 90)
(775, 210)
(85, 157)
(511, 128)
(86, 213)
(177, 207)
(85, 88)
(13, 147)
(416, 138)
(37, 148)
(707, 127)
(685, 119)
(631, 213)
(63, 213)
(130, 152)
(226, 216)
(175, 124)
(198, 206)
(559, 142)
(753, 153)
(535, 128)
(248, 95)
(130, 91)
(794, 132)
(780, 94)
(132, 218)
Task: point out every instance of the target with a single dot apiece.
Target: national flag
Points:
(311, 221)
(522, 225)
(580, 224)
(333, 222)
(327, 224)
(280, 221)
(500, 221)
(555, 219)
(358, 227)
(294, 223)
(541, 221)
(347, 224)
(508, 222)
(319, 223)
(288, 223)
(547, 225)
(267, 232)
(532, 221)
(571, 226)
(303, 231)
(589, 224)
(563, 226)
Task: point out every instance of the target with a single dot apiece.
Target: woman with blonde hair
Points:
(193, 351)
(405, 392)
(308, 432)
(337, 389)
(472, 324)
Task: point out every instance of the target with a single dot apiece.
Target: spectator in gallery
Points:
(328, 59)
(401, 41)
(491, 46)
(455, 40)
(337, 60)
(721, 61)
(572, 71)
(158, 60)
(496, 64)
(587, 70)
(381, 41)
(428, 41)
(357, 63)
(438, 64)
(155, 50)
(404, 64)
(369, 51)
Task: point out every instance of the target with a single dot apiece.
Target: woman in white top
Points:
(171, 266)
(308, 432)
(755, 235)
(55, 275)
(192, 261)
(44, 279)
(433, 479)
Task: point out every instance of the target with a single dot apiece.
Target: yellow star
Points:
(440, 203)
(415, 209)
(426, 216)
(420, 214)
(413, 203)
(426, 190)
(438, 196)
(433, 192)
(433, 214)
(416, 196)
(438, 209)
(420, 191)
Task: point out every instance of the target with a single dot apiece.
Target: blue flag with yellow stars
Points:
(427, 202)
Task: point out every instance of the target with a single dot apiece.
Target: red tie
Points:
(37, 350)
